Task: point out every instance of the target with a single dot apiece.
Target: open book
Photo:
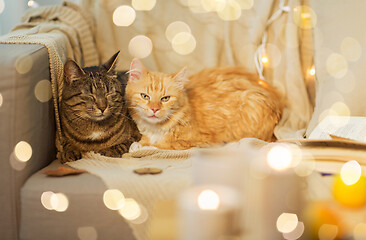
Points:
(337, 139)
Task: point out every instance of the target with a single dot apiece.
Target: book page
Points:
(347, 127)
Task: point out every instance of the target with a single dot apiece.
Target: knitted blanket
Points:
(67, 31)
(146, 190)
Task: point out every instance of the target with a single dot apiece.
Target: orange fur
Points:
(215, 106)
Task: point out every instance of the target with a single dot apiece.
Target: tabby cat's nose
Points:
(102, 108)
(155, 110)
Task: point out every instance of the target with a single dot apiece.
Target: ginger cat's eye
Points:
(165, 99)
(144, 96)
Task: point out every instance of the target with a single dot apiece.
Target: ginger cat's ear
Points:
(181, 77)
(137, 69)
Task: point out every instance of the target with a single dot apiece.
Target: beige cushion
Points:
(86, 216)
(340, 59)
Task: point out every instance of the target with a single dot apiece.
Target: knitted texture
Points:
(147, 190)
(67, 32)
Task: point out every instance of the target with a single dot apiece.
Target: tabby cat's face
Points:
(155, 97)
(92, 93)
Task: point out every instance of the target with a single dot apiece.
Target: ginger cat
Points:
(214, 106)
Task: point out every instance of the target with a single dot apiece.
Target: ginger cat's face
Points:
(154, 97)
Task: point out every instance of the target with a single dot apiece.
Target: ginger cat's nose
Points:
(154, 110)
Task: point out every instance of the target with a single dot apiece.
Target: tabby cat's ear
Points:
(181, 77)
(72, 71)
(137, 69)
(110, 65)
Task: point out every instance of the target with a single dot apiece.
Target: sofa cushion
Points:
(26, 117)
(86, 216)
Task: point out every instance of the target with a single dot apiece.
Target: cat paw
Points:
(135, 146)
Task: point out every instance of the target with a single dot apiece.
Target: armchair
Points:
(38, 50)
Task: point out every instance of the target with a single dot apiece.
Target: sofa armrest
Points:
(26, 116)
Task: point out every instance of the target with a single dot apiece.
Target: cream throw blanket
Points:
(146, 190)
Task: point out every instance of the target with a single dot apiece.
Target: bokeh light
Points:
(279, 157)
(131, 209)
(59, 202)
(140, 46)
(208, 200)
(245, 4)
(2, 6)
(87, 233)
(46, 200)
(113, 199)
(305, 17)
(351, 172)
(312, 71)
(346, 84)
(142, 217)
(351, 49)
(296, 233)
(305, 167)
(287, 222)
(23, 151)
(1, 99)
(328, 232)
(176, 27)
(336, 65)
(352, 196)
(359, 232)
(230, 12)
(213, 5)
(24, 64)
(33, 4)
(340, 109)
(143, 5)
(183, 43)
(15, 163)
(124, 16)
(43, 91)
(194, 5)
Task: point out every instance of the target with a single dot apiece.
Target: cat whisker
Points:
(121, 114)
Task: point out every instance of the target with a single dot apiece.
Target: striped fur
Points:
(214, 106)
(94, 116)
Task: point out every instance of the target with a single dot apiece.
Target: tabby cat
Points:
(93, 112)
(214, 106)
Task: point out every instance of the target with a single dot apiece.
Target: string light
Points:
(264, 59)
(261, 53)
(312, 71)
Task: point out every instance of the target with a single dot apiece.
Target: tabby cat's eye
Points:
(144, 96)
(165, 99)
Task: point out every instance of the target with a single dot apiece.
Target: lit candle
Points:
(218, 167)
(272, 192)
(208, 212)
